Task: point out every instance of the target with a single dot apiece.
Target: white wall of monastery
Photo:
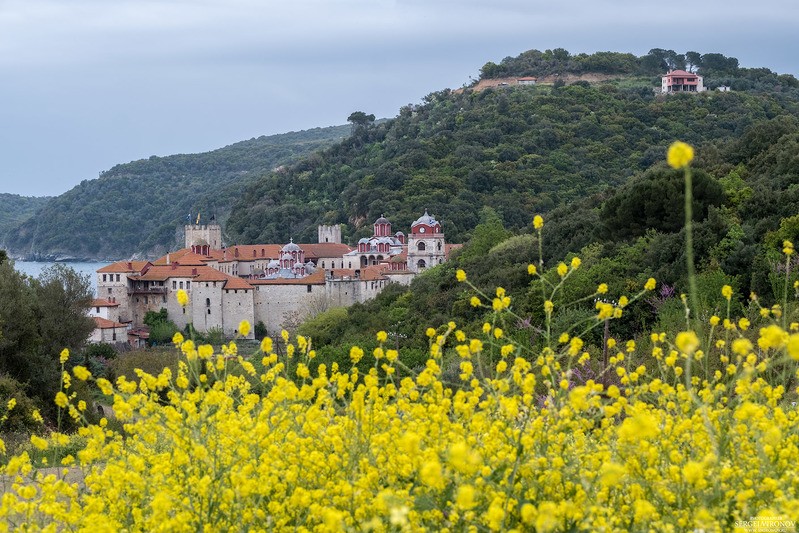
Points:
(237, 305)
(277, 305)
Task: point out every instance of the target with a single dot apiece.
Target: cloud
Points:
(93, 83)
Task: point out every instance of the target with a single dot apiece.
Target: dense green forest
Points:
(746, 203)
(518, 149)
(15, 210)
(591, 158)
(138, 207)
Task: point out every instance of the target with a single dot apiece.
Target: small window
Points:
(188, 284)
(145, 300)
(97, 309)
(209, 311)
(309, 288)
(180, 284)
(323, 264)
(103, 277)
(174, 284)
(117, 277)
(114, 335)
(109, 290)
(184, 310)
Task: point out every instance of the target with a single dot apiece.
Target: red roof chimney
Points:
(130, 265)
(236, 252)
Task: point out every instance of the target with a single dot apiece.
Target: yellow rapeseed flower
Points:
(460, 275)
(244, 328)
(183, 298)
(687, 342)
(64, 356)
(726, 291)
(81, 373)
(538, 222)
(680, 154)
(650, 284)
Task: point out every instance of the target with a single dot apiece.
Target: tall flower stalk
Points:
(680, 156)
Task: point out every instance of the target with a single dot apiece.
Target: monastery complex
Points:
(278, 285)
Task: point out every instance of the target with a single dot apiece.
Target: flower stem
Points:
(689, 245)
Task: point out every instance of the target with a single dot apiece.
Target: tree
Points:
(693, 60)
(63, 297)
(359, 119)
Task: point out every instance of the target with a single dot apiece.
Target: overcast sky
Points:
(87, 84)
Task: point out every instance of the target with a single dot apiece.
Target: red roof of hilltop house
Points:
(125, 266)
(99, 302)
(680, 73)
(104, 323)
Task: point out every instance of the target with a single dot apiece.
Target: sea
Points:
(34, 268)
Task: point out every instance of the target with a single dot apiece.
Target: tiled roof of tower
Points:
(237, 283)
(317, 278)
(124, 266)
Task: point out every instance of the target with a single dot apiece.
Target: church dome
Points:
(273, 264)
(425, 219)
(291, 247)
(382, 220)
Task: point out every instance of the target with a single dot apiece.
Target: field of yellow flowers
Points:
(704, 437)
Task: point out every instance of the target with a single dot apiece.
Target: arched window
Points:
(420, 247)
(421, 264)
(207, 302)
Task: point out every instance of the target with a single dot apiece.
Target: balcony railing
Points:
(146, 290)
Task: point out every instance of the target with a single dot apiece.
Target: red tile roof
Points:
(325, 249)
(124, 266)
(237, 283)
(103, 323)
(680, 73)
(164, 272)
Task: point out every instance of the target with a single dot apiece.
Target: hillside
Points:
(15, 210)
(591, 158)
(518, 149)
(138, 207)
